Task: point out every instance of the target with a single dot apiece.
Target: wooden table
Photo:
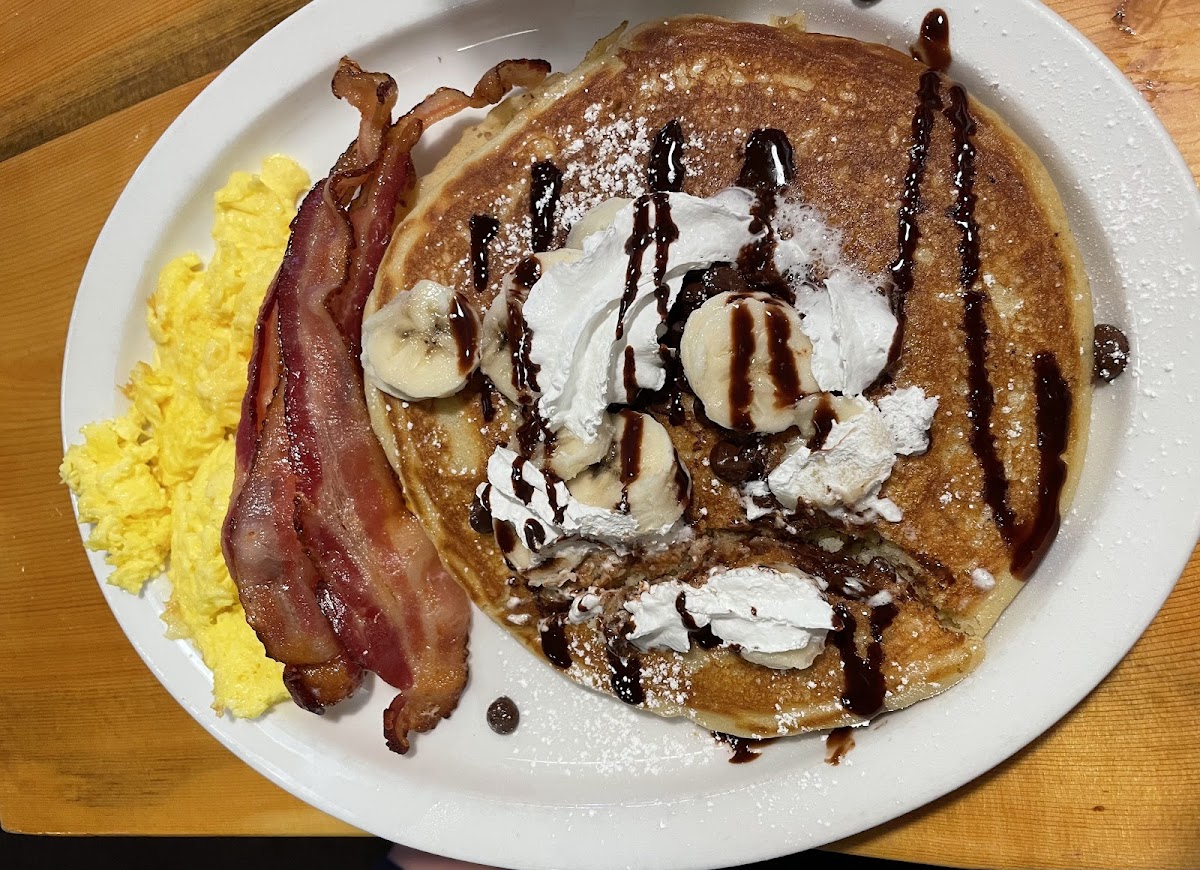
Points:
(89, 741)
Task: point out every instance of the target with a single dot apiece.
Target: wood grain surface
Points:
(90, 743)
(112, 58)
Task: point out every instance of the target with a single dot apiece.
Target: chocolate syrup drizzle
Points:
(928, 102)
(484, 228)
(1027, 541)
(629, 373)
(769, 166)
(487, 407)
(480, 515)
(524, 369)
(823, 420)
(522, 488)
(701, 636)
(963, 212)
(785, 376)
(626, 675)
(838, 744)
(743, 747)
(546, 185)
(553, 633)
(662, 234)
(465, 327)
(741, 389)
(932, 48)
(560, 510)
(770, 163)
(864, 688)
(506, 537)
(667, 171)
(981, 400)
(535, 535)
(669, 399)
(527, 273)
(1053, 416)
(630, 453)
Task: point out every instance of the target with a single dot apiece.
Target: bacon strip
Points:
(335, 573)
(277, 583)
(385, 172)
(496, 82)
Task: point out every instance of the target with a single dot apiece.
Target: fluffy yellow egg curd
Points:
(154, 483)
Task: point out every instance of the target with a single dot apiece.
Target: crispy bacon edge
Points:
(343, 577)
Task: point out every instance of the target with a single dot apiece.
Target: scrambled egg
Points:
(155, 482)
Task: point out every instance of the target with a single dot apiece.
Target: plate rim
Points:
(405, 16)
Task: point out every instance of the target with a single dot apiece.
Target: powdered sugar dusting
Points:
(621, 145)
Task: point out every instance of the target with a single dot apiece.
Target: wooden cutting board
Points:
(89, 741)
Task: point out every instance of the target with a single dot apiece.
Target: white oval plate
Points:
(587, 782)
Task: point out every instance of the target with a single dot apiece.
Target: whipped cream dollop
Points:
(548, 521)
(657, 622)
(572, 311)
(908, 414)
(775, 616)
(755, 496)
(585, 606)
(843, 476)
(850, 325)
(848, 317)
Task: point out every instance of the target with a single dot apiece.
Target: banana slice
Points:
(496, 350)
(794, 659)
(596, 220)
(641, 474)
(844, 470)
(495, 354)
(572, 455)
(424, 344)
(816, 413)
(748, 360)
(551, 259)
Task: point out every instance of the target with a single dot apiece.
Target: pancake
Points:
(1004, 345)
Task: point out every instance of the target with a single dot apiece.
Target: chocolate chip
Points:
(1111, 352)
(480, 517)
(503, 715)
(737, 463)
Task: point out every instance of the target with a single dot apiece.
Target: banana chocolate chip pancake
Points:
(740, 373)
